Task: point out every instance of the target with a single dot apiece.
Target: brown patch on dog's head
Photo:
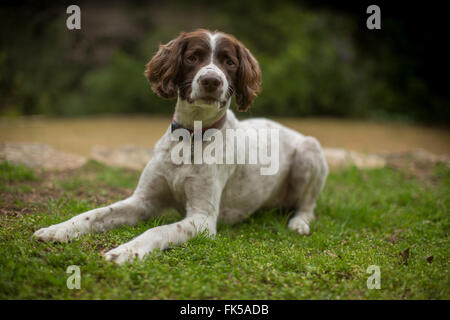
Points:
(173, 68)
(166, 70)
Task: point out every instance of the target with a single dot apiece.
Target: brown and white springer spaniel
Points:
(203, 70)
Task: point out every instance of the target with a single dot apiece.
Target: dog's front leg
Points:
(162, 238)
(147, 201)
(128, 211)
(202, 210)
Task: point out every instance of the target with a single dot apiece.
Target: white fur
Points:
(210, 68)
(186, 113)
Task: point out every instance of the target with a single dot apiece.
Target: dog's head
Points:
(205, 67)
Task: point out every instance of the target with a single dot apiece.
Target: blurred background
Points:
(324, 72)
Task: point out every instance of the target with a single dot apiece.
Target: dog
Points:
(203, 69)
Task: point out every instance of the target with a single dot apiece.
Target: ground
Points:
(386, 217)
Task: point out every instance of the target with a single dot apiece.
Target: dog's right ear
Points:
(163, 69)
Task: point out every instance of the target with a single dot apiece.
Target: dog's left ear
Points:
(163, 69)
(248, 80)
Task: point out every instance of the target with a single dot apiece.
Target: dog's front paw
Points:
(300, 225)
(124, 253)
(62, 232)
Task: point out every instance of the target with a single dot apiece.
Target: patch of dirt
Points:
(404, 257)
(341, 158)
(28, 197)
(394, 238)
(418, 163)
(128, 156)
(40, 156)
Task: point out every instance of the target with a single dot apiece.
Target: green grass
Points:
(14, 173)
(257, 259)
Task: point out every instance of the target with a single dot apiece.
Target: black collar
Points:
(216, 125)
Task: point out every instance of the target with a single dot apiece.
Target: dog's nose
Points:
(210, 83)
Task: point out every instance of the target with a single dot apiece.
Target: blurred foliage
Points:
(312, 60)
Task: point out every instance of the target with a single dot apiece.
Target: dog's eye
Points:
(191, 59)
(230, 62)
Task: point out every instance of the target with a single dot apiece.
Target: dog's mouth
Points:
(208, 100)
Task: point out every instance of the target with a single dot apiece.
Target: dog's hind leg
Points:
(147, 201)
(307, 179)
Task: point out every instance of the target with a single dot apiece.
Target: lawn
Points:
(383, 217)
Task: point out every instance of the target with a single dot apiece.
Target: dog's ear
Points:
(163, 69)
(248, 82)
